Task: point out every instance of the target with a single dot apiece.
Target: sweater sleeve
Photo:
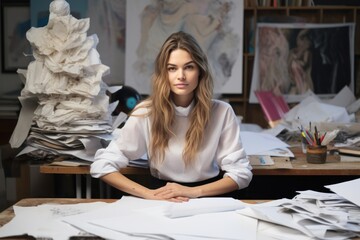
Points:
(108, 160)
(130, 145)
(231, 154)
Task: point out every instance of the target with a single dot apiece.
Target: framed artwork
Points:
(216, 25)
(297, 60)
(15, 21)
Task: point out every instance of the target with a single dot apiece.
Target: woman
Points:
(187, 136)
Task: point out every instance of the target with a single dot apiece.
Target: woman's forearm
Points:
(119, 181)
(124, 184)
(221, 186)
(175, 190)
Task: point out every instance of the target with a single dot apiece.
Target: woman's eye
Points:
(171, 69)
(189, 67)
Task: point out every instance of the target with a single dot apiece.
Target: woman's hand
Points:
(176, 192)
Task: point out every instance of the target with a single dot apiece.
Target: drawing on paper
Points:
(217, 26)
(295, 60)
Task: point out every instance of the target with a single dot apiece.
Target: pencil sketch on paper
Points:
(295, 60)
(217, 26)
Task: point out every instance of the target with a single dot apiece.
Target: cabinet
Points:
(315, 14)
(7, 127)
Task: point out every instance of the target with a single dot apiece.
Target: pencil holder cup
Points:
(316, 154)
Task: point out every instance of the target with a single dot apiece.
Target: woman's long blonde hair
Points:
(161, 107)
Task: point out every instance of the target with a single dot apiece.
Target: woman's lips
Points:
(181, 85)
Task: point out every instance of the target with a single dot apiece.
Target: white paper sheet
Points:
(312, 109)
(45, 220)
(131, 217)
(348, 190)
(344, 98)
(278, 152)
(202, 205)
(256, 143)
(317, 215)
(29, 104)
(223, 225)
(271, 231)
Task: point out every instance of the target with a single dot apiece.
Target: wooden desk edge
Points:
(52, 169)
(299, 164)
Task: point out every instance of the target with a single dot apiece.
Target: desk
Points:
(8, 214)
(332, 167)
(85, 170)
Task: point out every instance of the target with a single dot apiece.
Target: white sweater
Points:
(221, 148)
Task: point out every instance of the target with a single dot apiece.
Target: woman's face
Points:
(183, 74)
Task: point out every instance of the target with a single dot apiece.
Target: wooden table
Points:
(332, 167)
(85, 170)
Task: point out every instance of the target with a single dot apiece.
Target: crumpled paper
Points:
(65, 81)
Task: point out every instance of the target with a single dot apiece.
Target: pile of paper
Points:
(339, 109)
(135, 218)
(65, 108)
(310, 215)
(315, 214)
(263, 148)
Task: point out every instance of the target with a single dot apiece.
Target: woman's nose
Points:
(181, 75)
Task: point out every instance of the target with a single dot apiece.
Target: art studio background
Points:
(230, 23)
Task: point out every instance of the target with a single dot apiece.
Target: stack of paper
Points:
(65, 108)
(315, 214)
(310, 215)
(256, 143)
(262, 147)
(135, 218)
(339, 109)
